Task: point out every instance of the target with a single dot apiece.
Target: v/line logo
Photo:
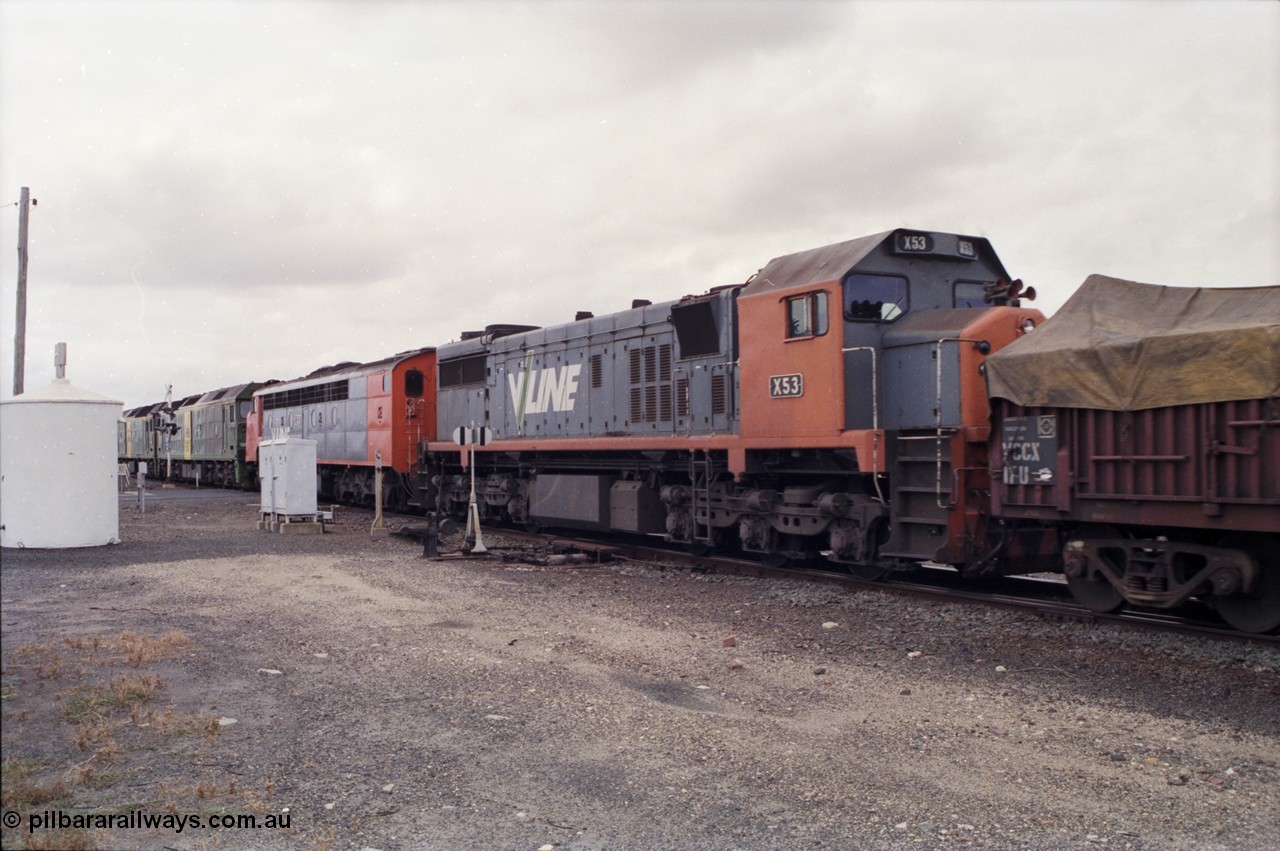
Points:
(549, 389)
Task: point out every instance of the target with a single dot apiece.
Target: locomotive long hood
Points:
(1123, 346)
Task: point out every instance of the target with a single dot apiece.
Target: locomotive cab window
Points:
(807, 315)
(874, 298)
(413, 383)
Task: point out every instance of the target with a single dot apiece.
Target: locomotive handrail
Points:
(875, 418)
(937, 356)
(937, 408)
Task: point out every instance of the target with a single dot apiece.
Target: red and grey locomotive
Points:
(832, 405)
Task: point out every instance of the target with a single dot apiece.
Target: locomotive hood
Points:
(1125, 346)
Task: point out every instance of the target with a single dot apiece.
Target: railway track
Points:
(1048, 598)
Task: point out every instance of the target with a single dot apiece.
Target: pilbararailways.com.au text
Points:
(139, 820)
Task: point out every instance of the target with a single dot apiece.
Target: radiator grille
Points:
(719, 394)
(651, 390)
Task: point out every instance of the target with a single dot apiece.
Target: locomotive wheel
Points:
(1258, 612)
(1097, 595)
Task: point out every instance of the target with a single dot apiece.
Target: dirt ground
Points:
(340, 691)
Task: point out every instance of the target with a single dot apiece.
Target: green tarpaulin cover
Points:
(1124, 346)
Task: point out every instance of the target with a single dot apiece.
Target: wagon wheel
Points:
(1260, 611)
(1097, 595)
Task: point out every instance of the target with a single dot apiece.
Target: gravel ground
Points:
(375, 699)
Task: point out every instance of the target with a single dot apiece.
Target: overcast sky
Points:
(233, 191)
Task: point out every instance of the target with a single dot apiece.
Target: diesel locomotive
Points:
(362, 417)
(199, 439)
(831, 406)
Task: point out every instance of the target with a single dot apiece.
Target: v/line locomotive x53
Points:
(832, 405)
(835, 406)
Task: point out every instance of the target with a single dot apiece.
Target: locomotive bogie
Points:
(673, 495)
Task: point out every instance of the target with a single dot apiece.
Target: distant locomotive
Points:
(361, 416)
(212, 432)
(144, 434)
(199, 439)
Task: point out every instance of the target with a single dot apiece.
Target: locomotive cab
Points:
(877, 345)
(822, 321)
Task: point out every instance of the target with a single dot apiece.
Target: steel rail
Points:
(1048, 599)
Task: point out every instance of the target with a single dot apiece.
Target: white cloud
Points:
(234, 190)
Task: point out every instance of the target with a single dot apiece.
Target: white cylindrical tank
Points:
(58, 468)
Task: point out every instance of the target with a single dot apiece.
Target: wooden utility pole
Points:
(20, 328)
